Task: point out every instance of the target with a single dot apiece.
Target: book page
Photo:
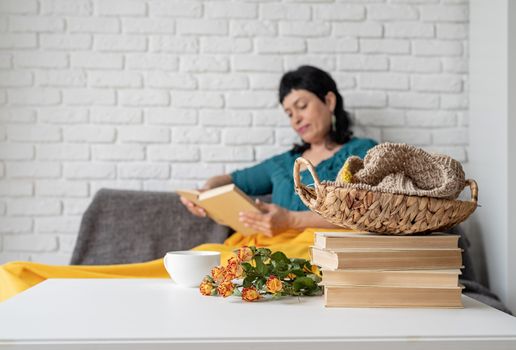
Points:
(191, 195)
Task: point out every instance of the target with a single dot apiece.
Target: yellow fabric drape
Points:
(18, 276)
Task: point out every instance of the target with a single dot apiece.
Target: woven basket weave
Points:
(381, 212)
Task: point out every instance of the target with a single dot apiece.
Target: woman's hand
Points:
(192, 208)
(271, 221)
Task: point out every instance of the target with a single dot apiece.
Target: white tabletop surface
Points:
(157, 314)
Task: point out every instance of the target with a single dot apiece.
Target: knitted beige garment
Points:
(404, 169)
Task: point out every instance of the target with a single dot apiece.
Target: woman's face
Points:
(309, 116)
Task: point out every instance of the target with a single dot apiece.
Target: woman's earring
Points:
(333, 123)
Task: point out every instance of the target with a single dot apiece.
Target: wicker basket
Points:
(387, 213)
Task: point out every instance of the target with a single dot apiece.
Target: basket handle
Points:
(311, 169)
(474, 189)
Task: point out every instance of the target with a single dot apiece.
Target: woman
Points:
(311, 100)
(316, 112)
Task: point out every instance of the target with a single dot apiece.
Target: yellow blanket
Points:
(16, 277)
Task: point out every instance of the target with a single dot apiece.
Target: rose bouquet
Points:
(257, 272)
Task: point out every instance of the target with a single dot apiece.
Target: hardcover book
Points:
(393, 259)
(392, 278)
(223, 205)
(338, 240)
(372, 296)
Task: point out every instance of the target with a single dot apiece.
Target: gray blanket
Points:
(121, 227)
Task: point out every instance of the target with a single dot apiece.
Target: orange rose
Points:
(250, 294)
(226, 289)
(234, 269)
(206, 287)
(274, 285)
(218, 273)
(245, 254)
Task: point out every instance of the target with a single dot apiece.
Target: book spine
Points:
(389, 278)
(392, 297)
(407, 260)
(385, 242)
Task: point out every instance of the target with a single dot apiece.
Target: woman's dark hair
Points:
(319, 83)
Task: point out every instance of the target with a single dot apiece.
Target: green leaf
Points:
(209, 279)
(318, 290)
(247, 267)
(281, 274)
(248, 281)
(314, 277)
(260, 282)
(298, 272)
(261, 269)
(297, 261)
(304, 283)
(280, 258)
(264, 252)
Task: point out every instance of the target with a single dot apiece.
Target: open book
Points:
(223, 204)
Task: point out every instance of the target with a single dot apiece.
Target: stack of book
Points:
(372, 270)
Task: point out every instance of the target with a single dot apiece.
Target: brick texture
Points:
(160, 94)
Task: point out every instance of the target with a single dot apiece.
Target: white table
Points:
(157, 314)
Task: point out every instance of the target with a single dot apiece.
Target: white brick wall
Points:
(161, 94)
